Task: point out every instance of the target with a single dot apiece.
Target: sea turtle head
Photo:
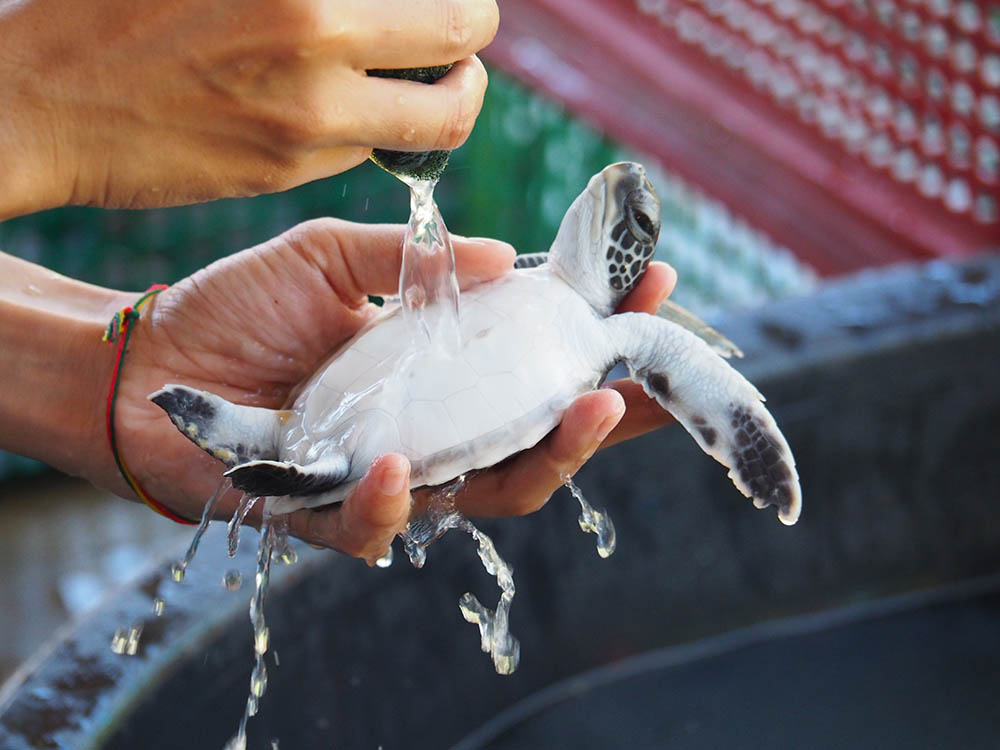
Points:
(607, 236)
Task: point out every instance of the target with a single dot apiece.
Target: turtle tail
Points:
(233, 434)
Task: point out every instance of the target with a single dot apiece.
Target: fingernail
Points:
(393, 481)
(486, 241)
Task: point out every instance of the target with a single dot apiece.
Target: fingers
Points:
(337, 115)
(363, 259)
(365, 524)
(437, 116)
(656, 285)
(526, 482)
(642, 413)
(414, 33)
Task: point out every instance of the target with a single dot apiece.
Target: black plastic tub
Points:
(875, 622)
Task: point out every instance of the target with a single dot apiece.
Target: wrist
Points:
(57, 370)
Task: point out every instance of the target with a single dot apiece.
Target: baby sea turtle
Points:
(532, 341)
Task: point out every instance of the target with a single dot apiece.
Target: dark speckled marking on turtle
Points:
(709, 435)
(758, 458)
(660, 384)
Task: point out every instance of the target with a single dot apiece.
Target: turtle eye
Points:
(644, 228)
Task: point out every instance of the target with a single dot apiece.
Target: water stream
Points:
(273, 535)
(125, 641)
(239, 516)
(494, 625)
(178, 569)
(428, 285)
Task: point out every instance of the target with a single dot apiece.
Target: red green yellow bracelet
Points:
(119, 330)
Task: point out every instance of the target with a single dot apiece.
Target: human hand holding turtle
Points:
(251, 327)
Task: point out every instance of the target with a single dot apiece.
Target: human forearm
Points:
(55, 368)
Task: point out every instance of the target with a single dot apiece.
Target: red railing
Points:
(821, 122)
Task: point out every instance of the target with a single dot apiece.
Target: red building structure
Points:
(854, 132)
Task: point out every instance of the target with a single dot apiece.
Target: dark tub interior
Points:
(921, 672)
(872, 623)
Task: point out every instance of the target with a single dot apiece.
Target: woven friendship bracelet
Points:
(119, 331)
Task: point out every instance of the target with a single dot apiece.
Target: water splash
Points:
(428, 285)
(261, 633)
(242, 511)
(494, 625)
(594, 521)
(179, 568)
(427, 526)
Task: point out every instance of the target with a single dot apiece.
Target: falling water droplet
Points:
(386, 560)
(125, 641)
(232, 580)
(177, 572)
(594, 521)
(119, 641)
(132, 642)
(158, 606)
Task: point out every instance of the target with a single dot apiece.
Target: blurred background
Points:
(790, 141)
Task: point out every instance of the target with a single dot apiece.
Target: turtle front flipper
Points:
(279, 478)
(719, 407)
(233, 434)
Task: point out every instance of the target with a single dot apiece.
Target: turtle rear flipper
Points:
(686, 319)
(278, 478)
(716, 404)
(233, 434)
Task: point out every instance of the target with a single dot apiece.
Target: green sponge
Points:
(421, 165)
